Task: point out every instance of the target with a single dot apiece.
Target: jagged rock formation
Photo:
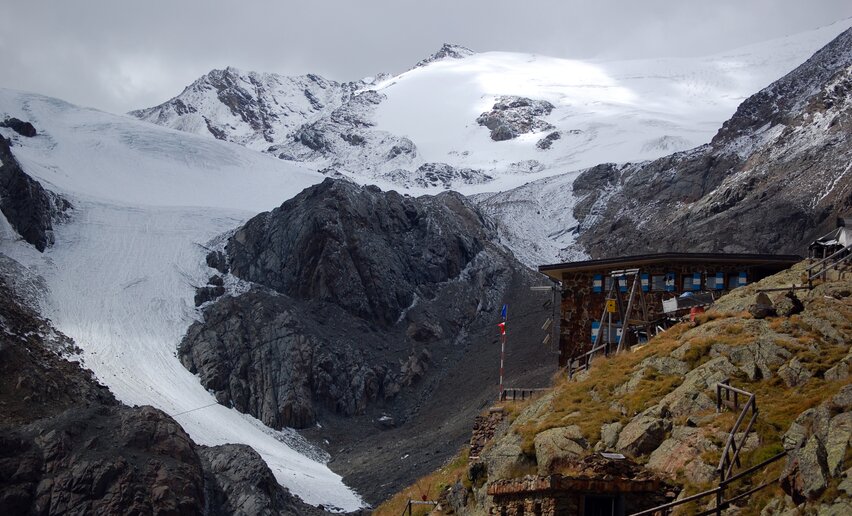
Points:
(369, 311)
(512, 116)
(773, 179)
(28, 207)
(253, 109)
(347, 135)
(348, 270)
(447, 51)
(67, 446)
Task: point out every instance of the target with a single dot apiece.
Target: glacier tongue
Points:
(122, 272)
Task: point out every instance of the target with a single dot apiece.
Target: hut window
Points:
(686, 282)
(733, 280)
(658, 282)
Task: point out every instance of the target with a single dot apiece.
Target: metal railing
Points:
(521, 394)
(408, 506)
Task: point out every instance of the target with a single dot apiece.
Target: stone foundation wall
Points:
(484, 429)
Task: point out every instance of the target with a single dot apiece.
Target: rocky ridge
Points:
(250, 108)
(366, 307)
(447, 51)
(774, 178)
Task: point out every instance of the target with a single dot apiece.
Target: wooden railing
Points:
(726, 396)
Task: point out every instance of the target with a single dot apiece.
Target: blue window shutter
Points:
(595, 326)
(670, 282)
(696, 281)
(597, 283)
(645, 283)
(743, 279)
(720, 280)
(622, 283)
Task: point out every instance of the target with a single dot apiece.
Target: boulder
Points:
(843, 399)
(794, 373)
(805, 476)
(557, 447)
(757, 359)
(642, 435)
(762, 307)
(681, 454)
(609, 434)
(837, 442)
(787, 304)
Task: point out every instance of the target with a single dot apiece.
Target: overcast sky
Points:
(120, 55)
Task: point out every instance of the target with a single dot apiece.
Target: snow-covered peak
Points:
(250, 108)
(447, 51)
(478, 117)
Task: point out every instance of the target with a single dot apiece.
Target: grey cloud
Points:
(119, 56)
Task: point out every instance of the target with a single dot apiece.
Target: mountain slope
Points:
(252, 109)
(370, 322)
(120, 276)
(774, 178)
(430, 115)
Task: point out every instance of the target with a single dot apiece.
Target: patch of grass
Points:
(429, 486)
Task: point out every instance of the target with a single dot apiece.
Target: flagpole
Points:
(502, 356)
(505, 316)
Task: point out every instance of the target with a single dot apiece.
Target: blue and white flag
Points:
(505, 312)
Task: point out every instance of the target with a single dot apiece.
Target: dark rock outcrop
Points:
(19, 126)
(68, 447)
(546, 142)
(370, 312)
(28, 207)
(241, 483)
(447, 51)
(773, 179)
(366, 251)
(512, 116)
(347, 269)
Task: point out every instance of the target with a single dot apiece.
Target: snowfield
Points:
(122, 272)
(605, 111)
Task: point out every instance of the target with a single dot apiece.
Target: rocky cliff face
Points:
(362, 289)
(774, 177)
(369, 309)
(28, 207)
(67, 446)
